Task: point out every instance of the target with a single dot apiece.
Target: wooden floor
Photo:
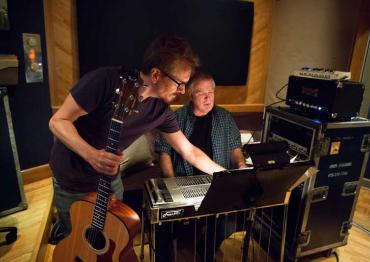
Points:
(33, 229)
(31, 224)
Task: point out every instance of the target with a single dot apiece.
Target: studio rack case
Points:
(321, 209)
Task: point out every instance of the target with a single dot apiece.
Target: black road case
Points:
(321, 209)
(11, 185)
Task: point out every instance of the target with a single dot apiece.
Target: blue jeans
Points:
(64, 199)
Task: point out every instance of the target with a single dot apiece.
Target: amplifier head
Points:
(328, 99)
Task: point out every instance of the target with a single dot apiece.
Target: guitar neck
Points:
(104, 187)
(123, 107)
(114, 136)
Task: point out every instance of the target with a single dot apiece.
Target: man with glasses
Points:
(81, 124)
(213, 130)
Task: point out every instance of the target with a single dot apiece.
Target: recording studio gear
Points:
(322, 73)
(191, 198)
(326, 99)
(320, 209)
(268, 155)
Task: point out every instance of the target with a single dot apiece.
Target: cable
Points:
(274, 103)
(336, 256)
(250, 137)
(277, 96)
(278, 92)
(361, 227)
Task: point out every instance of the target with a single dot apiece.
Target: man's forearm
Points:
(66, 132)
(237, 158)
(200, 160)
(165, 163)
(190, 153)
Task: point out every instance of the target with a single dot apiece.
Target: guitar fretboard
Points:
(114, 136)
(123, 108)
(102, 199)
(104, 187)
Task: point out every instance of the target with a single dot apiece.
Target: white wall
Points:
(316, 33)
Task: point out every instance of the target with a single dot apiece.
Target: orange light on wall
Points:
(32, 55)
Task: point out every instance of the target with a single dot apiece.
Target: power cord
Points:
(278, 92)
(336, 256)
(274, 103)
(277, 95)
(250, 137)
(361, 227)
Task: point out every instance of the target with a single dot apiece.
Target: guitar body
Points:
(87, 244)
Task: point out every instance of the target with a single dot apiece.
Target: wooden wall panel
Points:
(62, 48)
(362, 35)
(61, 37)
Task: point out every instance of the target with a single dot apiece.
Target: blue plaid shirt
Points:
(225, 137)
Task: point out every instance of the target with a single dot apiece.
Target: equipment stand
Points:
(248, 234)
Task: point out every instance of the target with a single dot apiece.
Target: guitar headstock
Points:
(126, 96)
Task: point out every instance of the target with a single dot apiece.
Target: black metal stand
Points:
(248, 234)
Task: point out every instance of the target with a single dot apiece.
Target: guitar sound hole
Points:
(95, 238)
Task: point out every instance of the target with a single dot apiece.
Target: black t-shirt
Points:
(201, 136)
(95, 94)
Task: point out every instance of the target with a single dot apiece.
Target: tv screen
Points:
(116, 32)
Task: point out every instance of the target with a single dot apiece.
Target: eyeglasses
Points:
(180, 85)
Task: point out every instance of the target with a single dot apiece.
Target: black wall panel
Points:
(117, 32)
(29, 103)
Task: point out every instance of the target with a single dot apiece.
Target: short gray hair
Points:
(197, 77)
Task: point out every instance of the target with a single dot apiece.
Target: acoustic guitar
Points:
(103, 231)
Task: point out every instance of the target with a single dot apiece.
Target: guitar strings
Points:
(104, 185)
(105, 181)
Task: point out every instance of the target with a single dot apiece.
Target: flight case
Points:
(321, 209)
(11, 184)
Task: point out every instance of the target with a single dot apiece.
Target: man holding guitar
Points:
(88, 142)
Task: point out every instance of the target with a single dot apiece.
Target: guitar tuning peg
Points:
(136, 85)
(131, 97)
(117, 91)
